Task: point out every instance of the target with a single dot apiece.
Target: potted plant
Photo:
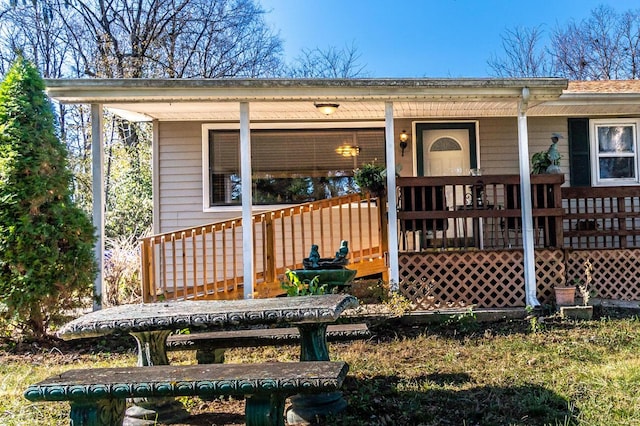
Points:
(540, 162)
(372, 178)
(565, 295)
(584, 312)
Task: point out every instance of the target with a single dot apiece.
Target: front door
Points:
(445, 152)
(448, 149)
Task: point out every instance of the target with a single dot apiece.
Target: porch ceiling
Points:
(305, 111)
(356, 111)
(292, 100)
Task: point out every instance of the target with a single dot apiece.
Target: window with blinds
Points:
(291, 166)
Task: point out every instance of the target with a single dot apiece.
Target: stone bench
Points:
(210, 346)
(97, 396)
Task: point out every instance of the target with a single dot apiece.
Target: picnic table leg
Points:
(150, 411)
(307, 408)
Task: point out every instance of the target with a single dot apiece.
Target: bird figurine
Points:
(554, 155)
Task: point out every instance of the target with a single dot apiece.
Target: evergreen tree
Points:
(46, 242)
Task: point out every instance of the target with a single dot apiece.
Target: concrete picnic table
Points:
(150, 324)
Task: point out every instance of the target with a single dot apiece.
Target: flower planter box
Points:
(577, 312)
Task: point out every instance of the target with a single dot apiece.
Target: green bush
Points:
(294, 286)
(47, 264)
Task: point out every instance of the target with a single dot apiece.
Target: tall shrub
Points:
(46, 242)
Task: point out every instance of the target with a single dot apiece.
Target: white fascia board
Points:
(595, 98)
(139, 90)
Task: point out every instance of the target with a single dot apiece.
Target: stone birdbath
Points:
(331, 272)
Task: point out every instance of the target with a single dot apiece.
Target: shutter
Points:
(579, 152)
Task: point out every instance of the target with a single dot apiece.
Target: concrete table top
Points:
(208, 314)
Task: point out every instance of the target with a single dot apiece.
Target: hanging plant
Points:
(372, 178)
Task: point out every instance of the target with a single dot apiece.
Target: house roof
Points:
(604, 86)
(359, 99)
(596, 98)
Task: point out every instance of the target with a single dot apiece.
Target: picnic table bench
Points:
(151, 324)
(210, 346)
(97, 396)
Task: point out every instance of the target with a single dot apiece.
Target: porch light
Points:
(348, 150)
(404, 137)
(326, 108)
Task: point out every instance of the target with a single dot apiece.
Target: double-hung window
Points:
(614, 149)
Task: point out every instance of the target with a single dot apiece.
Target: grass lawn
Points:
(460, 373)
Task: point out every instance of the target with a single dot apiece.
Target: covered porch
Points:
(502, 213)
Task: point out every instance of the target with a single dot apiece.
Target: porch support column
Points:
(155, 177)
(97, 173)
(247, 219)
(525, 196)
(392, 204)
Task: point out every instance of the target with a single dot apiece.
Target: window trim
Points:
(595, 154)
(206, 127)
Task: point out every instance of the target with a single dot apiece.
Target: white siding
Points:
(180, 186)
(499, 142)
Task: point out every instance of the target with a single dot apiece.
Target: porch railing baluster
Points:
(480, 209)
(184, 264)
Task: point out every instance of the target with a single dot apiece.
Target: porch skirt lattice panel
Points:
(616, 272)
(482, 279)
(550, 272)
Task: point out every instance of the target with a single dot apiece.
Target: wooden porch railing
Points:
(476, 212)
(206, 261)
(602, 217)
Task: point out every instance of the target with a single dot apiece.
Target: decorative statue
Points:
(314, 256)
(554, 155)
(343, 251)
(315, 262)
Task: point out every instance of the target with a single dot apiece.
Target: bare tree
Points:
(604, 46)
(172, 38)
(328, 63)
(630, 43)
(135, 39)
(523, 54)
(591, 49)
(36, 33)
(226, 39)
(570, 53)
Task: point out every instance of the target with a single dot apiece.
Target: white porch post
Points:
(392, 213)
(525, 196)
(97, 170)
(155, 178)
(247, 220)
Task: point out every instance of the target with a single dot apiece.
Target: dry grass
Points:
(460, 373)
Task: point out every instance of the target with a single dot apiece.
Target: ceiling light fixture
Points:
(326, 108)
(348, 150)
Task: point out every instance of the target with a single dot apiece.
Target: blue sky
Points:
(419, 38)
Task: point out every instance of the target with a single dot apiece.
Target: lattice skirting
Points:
(483, 279)
(616, 272)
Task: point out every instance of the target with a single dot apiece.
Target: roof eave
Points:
(342, 90)
(595, 98)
